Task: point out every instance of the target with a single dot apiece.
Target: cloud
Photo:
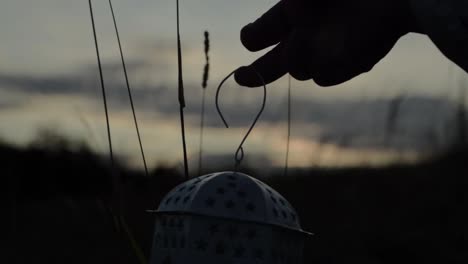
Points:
(9, 105)
(420, 121)
(30, 84)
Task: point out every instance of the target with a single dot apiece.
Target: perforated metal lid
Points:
(231, 195)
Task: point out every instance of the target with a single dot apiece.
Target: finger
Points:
(305, 62)
(266, 31)
(270, 66)
(298, 50)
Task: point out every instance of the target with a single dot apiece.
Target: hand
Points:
(329, 41)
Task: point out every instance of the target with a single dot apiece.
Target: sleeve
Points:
(446, 24)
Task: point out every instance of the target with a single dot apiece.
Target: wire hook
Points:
(239, 156)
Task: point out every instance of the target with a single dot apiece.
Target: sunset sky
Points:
(49, 80)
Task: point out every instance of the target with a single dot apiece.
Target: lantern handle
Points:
(239, 155)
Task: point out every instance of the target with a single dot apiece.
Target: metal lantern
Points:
(226, 217)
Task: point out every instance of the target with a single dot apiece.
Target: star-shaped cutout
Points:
(180, 224)
(157, 239)
(251, 234)
(241, 194)
(220, 248)
(274, 254)
(197, 181)
(232, 231)
(174, 242)
(282, 202)
(201, 245)
(275, 212)
(230, 204)
(293, 216)
(182, 242)
(283, 213)
(258, 253)
(273, 199)
(171, 222)
(239, 251)
(214, 228)
(250, 207)
(166, 242)
(167, 260)
(210, 202)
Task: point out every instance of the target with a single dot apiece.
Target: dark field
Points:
(59, 207)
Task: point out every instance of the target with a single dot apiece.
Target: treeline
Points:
(61, 208)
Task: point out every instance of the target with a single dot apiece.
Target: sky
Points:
(49, 80)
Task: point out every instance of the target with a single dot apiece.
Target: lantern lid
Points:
(231, 195)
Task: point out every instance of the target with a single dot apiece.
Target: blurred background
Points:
(381, 152)
(406, 108)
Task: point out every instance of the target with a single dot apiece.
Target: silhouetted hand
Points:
(329, 41)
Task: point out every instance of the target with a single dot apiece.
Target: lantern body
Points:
(226, 217)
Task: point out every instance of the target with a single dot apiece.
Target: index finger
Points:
(267, 30)
(270, 66)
